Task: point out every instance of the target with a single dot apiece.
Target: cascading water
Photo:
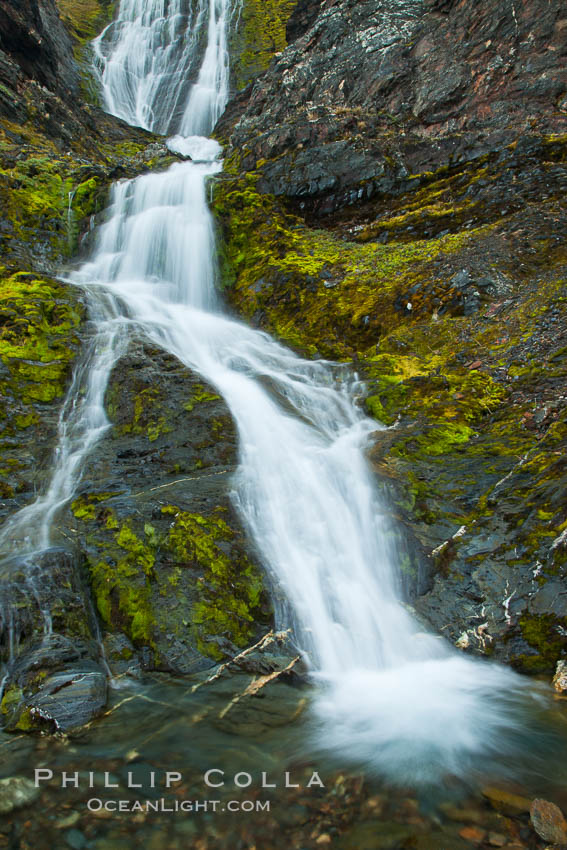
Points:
(146, 61)
(390, 696)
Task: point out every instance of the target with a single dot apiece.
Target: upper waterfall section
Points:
(164, 64)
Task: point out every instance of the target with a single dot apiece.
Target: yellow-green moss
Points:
(198, 395)
(317, 291)
(86, 18)
(541, 631)
(229, 590)
(437, 440)
(11, 699)
(146, 417)
(87, 507)
(260, 33)
(37, 339)
(121, 598)
(51, 193)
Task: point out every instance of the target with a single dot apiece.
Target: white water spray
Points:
(392, 697)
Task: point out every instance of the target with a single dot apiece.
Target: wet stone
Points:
(15, 793)
(548, 821)
(496, 839)
(473, 834)
(75, 839)
(506, 802)
(560, 678)
(71, 698)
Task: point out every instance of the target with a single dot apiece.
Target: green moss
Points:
(15, 715)
(260, 33)
(52, 194)
(441, 440)
(143, 554)
(26, 420)
(88, 507)
(86, 18)
(229, 590)
(316, 291)
(25, 721)
(145, 418)
(199, 395)
(11, 700)
(545, 633)
(82, 511)
(122, 599)
(37, 341)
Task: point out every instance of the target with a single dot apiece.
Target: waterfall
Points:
(147, 57)
(396, 698)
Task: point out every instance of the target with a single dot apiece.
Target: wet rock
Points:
(560, 678)
(506, 802)
(50, 643)
(375, 835)
(496, 839)
(75, 839)
(173, 578)
(45, 608)
(15, 793)
(69, 699)
(473, 834)
(121, 656)
(548, 821)
(461, 280)
(261, 688)
(67, 821)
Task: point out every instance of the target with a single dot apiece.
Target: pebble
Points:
(506, 802)
(68, 821)
(158, 840)
(548, 821)
(15, 793)
(496, 839)
(473, 834)
(461, 815)
(75, 839)
(560, 678)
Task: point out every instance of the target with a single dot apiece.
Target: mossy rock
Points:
(260, 32)
(169, 562)
(39, 341)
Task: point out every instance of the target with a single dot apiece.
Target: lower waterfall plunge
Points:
(399, 700)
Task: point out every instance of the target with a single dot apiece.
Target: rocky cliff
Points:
(394, 195)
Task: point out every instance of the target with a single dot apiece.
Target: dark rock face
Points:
(302, 18)
(376, 90)
(34, 39)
